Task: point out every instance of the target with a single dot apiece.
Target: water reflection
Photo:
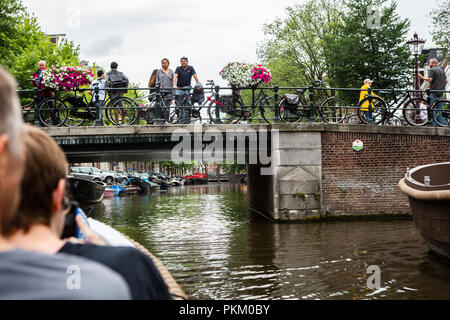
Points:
(217, 250)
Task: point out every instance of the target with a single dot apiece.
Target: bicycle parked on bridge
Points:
(81, 111)
(441, 105)
(51, 111)
(196, 108)
(295, 108)
(232, 108)
(412, 105)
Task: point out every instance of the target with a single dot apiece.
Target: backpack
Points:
(198, 95)
(117, 81)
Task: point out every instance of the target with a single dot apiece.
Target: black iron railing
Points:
(148, 106)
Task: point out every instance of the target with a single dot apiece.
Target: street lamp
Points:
(416, 47)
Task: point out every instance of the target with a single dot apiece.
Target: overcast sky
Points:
(139, 33)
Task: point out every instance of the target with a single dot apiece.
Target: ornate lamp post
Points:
(416, 47)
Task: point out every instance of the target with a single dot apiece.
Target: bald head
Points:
(11, 148)
(42, 64)
(10, 117)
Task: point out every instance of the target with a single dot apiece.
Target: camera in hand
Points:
(71, 228)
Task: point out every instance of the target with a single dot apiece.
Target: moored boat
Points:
(109, 193)
(86, 191)
(131, 189)
(143, 185)
(119, 191)
(428, 190)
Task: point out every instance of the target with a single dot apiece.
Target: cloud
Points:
(139, 33)
(103, 47)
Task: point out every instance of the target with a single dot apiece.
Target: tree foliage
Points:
(333, 41)
(441, 23)
(11, 13)
(23, 44)
(376, 49)
(294, 50)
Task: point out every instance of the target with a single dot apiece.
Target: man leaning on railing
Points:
(182, 78)
(438, 80)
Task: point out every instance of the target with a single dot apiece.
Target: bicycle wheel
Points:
(78, 114)
(441, 106)
(393, 121)
(267, 109)
(332, 110)
(352, 119)
(52, 112)
(123, 111)
(378, 112)
(290, 113)
(228, 113)
(415, 112)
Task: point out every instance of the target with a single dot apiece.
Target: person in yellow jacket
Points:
(364, 94)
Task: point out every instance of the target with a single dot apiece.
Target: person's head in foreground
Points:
(40, 220)
(26, 274)
(43, 188)
(11, 149)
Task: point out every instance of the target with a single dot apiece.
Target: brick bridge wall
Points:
(365, 182)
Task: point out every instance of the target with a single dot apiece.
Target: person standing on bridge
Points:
(117, 79)
(152, 80)
(100, 83)
(182, 79)
(438, 80)
(38, 81)
(164, 78)
(364, 94)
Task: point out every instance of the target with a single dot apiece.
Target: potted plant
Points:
(67, 78)
(240, 75)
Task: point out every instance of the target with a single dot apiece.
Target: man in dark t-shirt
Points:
(39, 223)
(181, 79)
(136, 268)
(438, 80)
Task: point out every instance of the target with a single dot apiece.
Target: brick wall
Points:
(365, 182)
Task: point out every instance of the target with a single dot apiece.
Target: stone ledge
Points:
(281, 127)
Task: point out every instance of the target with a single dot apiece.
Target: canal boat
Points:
(144, 187)
(196, 178)
(428, 190)
(85, 191)
(109, 193)
(119, 191)
(131, 189)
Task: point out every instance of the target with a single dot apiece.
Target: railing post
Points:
(216, 89)
(98, 114)
(158, 104)
(312, 107)
(429, 115)
(369, 108)
(276, 106)
(37, 123)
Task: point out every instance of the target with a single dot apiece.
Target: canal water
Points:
(216, 249)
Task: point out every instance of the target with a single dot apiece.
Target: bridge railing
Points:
(315, 103)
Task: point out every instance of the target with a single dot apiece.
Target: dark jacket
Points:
(40, 85)
(116, 79)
